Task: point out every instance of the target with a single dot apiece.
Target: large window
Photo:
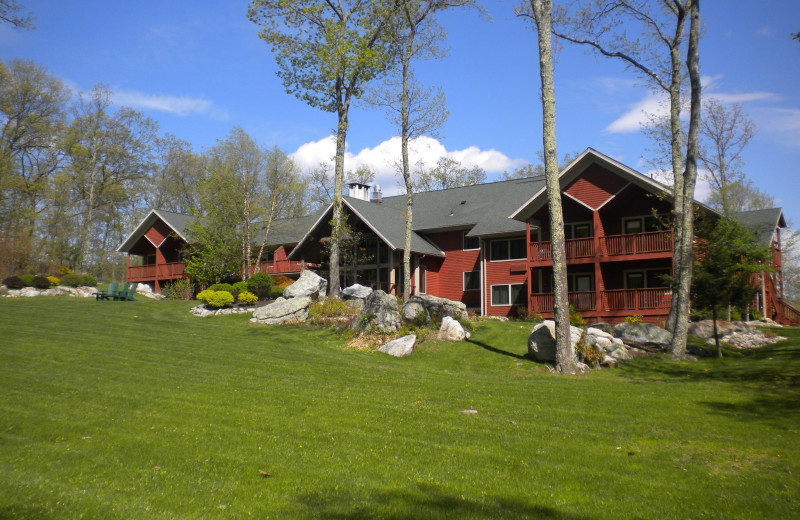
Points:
(471, 243)
(509, 294)
(646, 278)
(472, 280)
(578, 230)
(579, 282)
(640, 225)
(511, 249)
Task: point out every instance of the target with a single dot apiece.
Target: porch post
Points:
(599, 285)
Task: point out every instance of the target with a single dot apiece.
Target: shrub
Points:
(240, 286)
(636, 318)
(41, 282)
(204, 295)
(53, 281)
(522, 313)
(281, 281)
(88, 280)
(246, 297)
(331, 311)
(260, 284)
(736, 316)
(63, 270)
(219, 299)
(221, 287)
(14, 282)
(72, 280)
(575, 317)
(587, 353)
(27, 279)
(182, 289)
(755, 315)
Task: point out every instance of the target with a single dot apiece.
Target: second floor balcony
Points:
(613, 247)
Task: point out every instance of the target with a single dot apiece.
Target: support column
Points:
(599, 284)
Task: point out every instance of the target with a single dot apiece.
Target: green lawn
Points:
(139, 410)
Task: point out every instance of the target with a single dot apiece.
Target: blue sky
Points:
(199, 69)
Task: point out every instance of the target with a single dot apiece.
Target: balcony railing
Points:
(285, 266)
(155, 272)
(638, 243)
(574, 247)
(613, 300)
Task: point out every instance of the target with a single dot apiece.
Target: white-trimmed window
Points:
(646, 278)
(421, 275)
(470, 243)
(643, 224)
(507, 249)
(577, 230)
(472, 280)
(509, 294)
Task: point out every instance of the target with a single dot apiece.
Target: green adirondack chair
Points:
(126, 294)
(109, 294)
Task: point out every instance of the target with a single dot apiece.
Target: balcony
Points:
(618, 247)
(617, 300)
(145, 273)
(285, 266)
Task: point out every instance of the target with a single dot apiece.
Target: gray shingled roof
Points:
(762, 222)
(177, 221)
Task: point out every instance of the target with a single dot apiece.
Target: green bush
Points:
(736, 316)
(221, 287)
(14, 282)
(575, 317)
(219, 299)
(246, 297)
(89, 280)
(636, 318)
(72, 280)
(41, 282)
(182, 289)
(27, 279)
(260, 284)
(240, 286)
(755, 315)
(204, 295)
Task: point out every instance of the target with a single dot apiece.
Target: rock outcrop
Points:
(642, 335)
(283, 310)
(424, 309)
(309, 284)
(380, 312)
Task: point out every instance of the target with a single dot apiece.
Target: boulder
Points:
(147, 291)
(309, 284)
(399, 347)
(357, 291)
(28, 292)
(380, 311)
(283, 310)
(426, 308)
(643, 335)
(85, 292)
(705, 328)
(451, 330)
(542, 340)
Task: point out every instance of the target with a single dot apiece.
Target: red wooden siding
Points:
(595, 186)
(158, 232)
(447, 280)
(504, 272)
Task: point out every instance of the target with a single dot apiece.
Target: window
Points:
(472, 280)
(509, 294)
(471, 243)
(150, 260)
(640, 225)
(577, 230)
(646, 278)
(511, 249)
(422, 282)
(579, 282)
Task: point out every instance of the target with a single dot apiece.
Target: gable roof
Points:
(575, 168)
(763, 223)
(178, 222)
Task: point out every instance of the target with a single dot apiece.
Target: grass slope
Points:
(139, 410)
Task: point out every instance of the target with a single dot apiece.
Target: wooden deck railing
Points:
(574, 247)
(613, 300)
(284, 266)
(168, 271)
(637, 243)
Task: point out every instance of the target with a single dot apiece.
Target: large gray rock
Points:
(643, 335)
(542, 340)
(705, 329)
(309, 284)
(147, 291)
(283, 310)
(380, 312)
(399, 347)
(424, 308)
(357, 291)
(451, 330)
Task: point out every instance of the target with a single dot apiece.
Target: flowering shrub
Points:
(53, 281)
(219, 299)
(64, 270)
(246, 297)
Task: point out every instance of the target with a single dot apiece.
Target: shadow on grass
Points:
(423, 502)
(497, 350)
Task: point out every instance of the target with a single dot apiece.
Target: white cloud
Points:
(384, 158)
(182, 106)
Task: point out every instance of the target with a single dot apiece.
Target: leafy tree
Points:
(649, 38)
(448, 173)
(727, 261)
(174, 184)
(11, 12)
(320, 185)
(529, 170)
(361, 175)
(541, 12)
(326, 53)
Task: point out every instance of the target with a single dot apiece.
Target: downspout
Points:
(483, 277)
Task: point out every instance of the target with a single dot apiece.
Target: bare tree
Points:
(448, 173)
(541, 12)
(11, 12)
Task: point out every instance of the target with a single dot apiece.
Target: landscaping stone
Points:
(357, 291)
(451, 330)
(705, 328)
(643, 335)
(147, 291)
(283, 310)
(399, 347)
(203, 312)
(380, 312)
(309, 285)
(430, 307)
(30, 292)
(542, 340)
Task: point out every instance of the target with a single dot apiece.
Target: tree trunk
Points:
(680, 332)
(341, 137)
(565, 355)
(406, 166)
(716, 332)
